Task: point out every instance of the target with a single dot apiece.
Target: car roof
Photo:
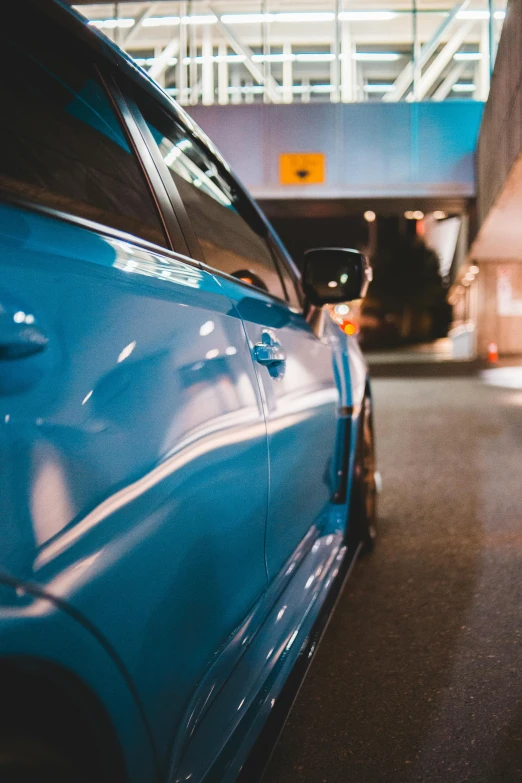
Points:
(77, 25)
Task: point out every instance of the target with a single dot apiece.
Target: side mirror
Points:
(334, 274)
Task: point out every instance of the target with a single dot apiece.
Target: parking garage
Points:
(260, 392)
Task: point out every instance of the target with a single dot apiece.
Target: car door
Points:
(304, 422)
(299, 390)
(301, 398)
(133, 455)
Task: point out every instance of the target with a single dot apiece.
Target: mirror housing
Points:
(334, 274)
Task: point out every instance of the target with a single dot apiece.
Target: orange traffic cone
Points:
(492, 353)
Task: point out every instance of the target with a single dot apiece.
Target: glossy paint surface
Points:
(120, 460)
(259, 675)
(302, 406)
(170, 451)
(151, 474)
(36, 628)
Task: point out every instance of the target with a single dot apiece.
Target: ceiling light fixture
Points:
(312, 57)
(366, 16)
(203, 19)
(480, 15)
(161, 21)
(305, 16)
(273, 58)
(246, 18)
(309, 16)
(376, 57)
(172, 21)
(378, 88)
(111, 24)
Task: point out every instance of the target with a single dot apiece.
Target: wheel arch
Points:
(47, 703)
(359, 529)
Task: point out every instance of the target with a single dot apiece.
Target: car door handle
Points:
(269, 352)
(19, 336)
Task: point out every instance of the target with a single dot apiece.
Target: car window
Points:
(61, 144)
(289, 281)
(232, 237)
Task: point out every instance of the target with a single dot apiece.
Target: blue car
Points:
(186, 444)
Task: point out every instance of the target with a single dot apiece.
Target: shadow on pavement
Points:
(426, 369)
(404, 687)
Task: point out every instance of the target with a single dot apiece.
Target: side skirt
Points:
(220, 742)
(261, 752)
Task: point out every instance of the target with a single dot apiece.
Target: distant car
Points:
(186, 444)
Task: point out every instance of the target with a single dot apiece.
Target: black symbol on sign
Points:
(303, 173)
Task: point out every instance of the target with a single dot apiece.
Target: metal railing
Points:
(208, 52)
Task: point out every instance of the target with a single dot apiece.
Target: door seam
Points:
(263, 408)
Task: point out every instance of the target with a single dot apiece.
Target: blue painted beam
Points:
(386, 150)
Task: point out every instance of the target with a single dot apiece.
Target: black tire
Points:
(52, 728)
(27, 760)
(362, 523)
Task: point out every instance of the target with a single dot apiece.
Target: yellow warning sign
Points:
(302, 168)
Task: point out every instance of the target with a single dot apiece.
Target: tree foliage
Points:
(407, 285)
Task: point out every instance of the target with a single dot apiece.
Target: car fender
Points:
(35, 629)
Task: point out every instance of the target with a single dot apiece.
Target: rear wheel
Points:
(362, 524)
(53, 729)
(28, 760)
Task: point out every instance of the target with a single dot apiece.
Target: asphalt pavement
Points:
(419, 675)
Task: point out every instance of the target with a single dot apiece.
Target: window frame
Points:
(167, 214)
(178, 206)
(173, 238)
(150, 150)
(296, 298)
(181, 240)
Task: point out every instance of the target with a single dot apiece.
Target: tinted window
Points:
(232, 237)
(61, 144)
(289, 280)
